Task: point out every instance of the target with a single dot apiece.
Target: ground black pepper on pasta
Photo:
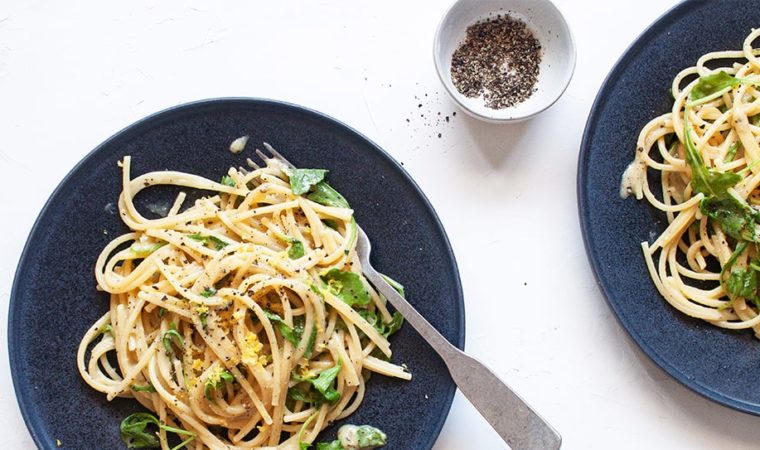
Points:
(499, 60)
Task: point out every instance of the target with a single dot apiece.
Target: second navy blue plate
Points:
(54, 300)
(721, 365)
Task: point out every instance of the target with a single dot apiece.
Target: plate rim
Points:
(600, 101)
(33, 421)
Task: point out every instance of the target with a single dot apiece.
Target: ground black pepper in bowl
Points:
(498, 60)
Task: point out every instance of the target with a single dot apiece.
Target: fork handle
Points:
(515, 421)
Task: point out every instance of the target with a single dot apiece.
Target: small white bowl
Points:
(546, 23)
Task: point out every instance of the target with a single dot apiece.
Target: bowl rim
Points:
(513, 119)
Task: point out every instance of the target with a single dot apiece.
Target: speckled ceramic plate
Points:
(719, 364)
(54, 298)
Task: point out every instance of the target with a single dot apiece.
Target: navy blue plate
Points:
(54, 300)
(719, 364)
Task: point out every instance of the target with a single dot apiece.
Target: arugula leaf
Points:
(208, 292)
(372, 318)
(330, 223)
(301, 444)
(323, 383)
(742, 283)
(310, 344)
(228, 181)
(740, 248)
(394, 325)
(347, 286)
(385, 329)
(324, 194)
(394, 284)
(313, 182)
(145, 249)
(731, 153)
(309, 397)
(203, 317)
(133, 431)
(215, 382)
(734, 256)
(317, 291)
(198, 237)
(710, 84)
(296, 249)
(172, 335)
(704, 180)
(301, 180)
(148, 388)
(218, 243)
(736, 218)
(292, 335)
(369, 436)
(361, 437)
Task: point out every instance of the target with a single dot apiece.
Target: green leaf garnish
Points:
(228, 181)
(133, 431)
(704, 180)
(208, 292)
(148, 388)
(324, 194)
(334, 445)
(710, 84)
(107, 328)
(735, 216)
(145, 249)
(310, 344)
(394, 284)
(310, 397)
(385, 329)
(218, 243)
(214, 383)
(369, 436)
(742, 283)
(290, 334)
(394, 325)
(296, 249)
(731, 153)
(323, 383)
(330, 223)
(347, 286)
(172, 336)
(301, 180)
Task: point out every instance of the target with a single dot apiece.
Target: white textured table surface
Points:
(73, 73)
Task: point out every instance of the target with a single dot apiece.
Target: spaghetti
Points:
(705, 151)
(243, 321)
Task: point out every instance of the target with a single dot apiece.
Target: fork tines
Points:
(273, 154)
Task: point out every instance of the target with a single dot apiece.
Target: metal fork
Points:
(515, 421)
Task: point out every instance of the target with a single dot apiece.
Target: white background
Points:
(72, 73)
